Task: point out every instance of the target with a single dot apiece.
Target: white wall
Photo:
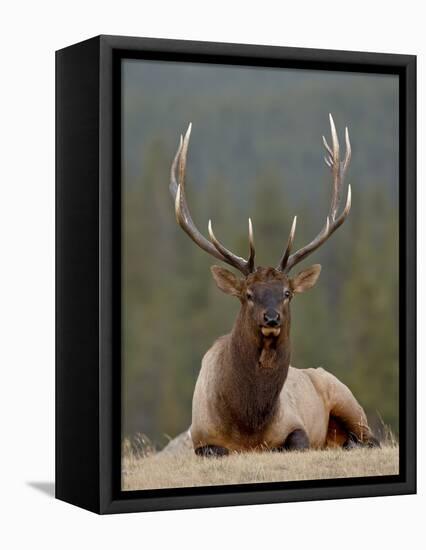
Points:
(29, 34)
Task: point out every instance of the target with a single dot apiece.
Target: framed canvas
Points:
(182, 380)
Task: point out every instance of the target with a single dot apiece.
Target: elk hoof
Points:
(373, 442)
(211, 451)
(296, 441)
(353, 442)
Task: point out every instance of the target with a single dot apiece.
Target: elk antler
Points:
(184, 219)
(338, 170)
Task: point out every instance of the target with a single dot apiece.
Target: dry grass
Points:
(145, 469)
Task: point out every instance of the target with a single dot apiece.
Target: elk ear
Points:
(306, 279)
(226, 281)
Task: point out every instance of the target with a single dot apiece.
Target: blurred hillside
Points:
(255, 151)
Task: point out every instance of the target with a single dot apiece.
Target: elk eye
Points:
(287, 294)
(249, 296)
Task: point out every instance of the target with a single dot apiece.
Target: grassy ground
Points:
(150, 470)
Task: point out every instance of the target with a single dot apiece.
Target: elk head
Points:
(265, 292)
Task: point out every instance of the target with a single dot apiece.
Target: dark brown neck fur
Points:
(254, 371)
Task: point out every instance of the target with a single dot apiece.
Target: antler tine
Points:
(333, 222)
(250, 261)
(184, 219)
(173, 183)
(348, 153)
(284, 259)
(245, 266)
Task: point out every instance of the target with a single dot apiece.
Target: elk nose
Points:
(271, 318)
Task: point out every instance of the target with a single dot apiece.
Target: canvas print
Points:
(260, 284)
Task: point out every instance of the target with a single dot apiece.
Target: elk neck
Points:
(254, 373)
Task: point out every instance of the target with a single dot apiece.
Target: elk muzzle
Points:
(272, 323)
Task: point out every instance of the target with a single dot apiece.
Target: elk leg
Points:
(348, 414)
(296, 441)
(339, 435)
(211, 451)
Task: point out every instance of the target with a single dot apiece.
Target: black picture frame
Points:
(88, 273)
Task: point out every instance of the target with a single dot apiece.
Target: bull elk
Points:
(247, 396)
